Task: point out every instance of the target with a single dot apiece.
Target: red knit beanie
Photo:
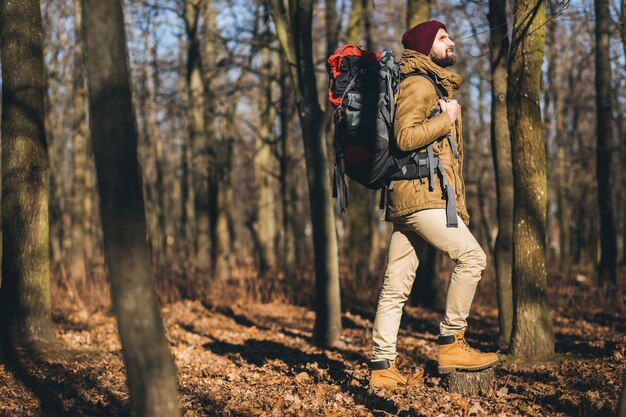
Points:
(420, 38)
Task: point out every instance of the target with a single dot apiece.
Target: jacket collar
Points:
(413, 61)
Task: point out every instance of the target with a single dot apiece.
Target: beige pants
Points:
(410, 234)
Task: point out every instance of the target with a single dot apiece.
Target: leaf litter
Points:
(259, 360)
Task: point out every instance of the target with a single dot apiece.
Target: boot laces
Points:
(464, 345)
(392, 368)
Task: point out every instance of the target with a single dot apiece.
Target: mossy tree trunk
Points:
(501, 151)
(25, 293)
(151, 374)
(532, 337)
(294, 30)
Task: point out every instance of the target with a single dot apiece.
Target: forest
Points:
(171, 245)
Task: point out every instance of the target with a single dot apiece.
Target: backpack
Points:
(362, 87)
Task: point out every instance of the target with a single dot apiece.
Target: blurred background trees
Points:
(233, 208)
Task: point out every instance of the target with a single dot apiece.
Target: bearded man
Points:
(417, 208)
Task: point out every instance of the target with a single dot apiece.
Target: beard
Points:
(447, 59)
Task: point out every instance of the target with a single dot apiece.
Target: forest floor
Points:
(258, 359)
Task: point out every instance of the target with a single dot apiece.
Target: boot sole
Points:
(453, 368)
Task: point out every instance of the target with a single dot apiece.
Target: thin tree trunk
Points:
(560, 173)
(152, 162)
(605, 163)
(622, 21)
(197, 137)
(362, 216)
(332, 26)
(219, 152)
(265, 224)
(25, 293)
(501, 151)
(532, 337)
(417, 11)
(294, 31)
(150, 368)
(287, 178)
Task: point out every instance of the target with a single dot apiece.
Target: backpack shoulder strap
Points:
(440, 94)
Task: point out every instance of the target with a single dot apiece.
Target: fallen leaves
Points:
(259, 360)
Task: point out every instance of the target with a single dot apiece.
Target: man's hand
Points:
(452, 107)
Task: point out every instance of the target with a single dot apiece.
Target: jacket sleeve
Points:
(411, 128)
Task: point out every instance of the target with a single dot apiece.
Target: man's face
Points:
(442, 51)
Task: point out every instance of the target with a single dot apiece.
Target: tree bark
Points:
(150, 369)
(197, 137)
(560, 173)
(218, 150)
(77, 260)
(622, 22)
(265, 225)
(501, 151)
(532, 337)
(294, 31)
(605, 163)
(25, 293)
(287, 179)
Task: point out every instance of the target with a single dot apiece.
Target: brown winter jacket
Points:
(415, 100)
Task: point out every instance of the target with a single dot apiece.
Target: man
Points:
(418, 213)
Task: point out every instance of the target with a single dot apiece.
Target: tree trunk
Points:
(501, 151)
(532, 337)
(294, 31)
(288, 180)
(622, 20)
(417, 11)
(152, 165)
(560, 173)
(218, 150)
(77, 261)
(198, 138)
(265, 225)
(332, 26)
(605, 163)
(150, 369)
(25, 293)
(362, 216)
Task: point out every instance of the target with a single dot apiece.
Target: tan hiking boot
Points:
(385, 374)
(455, 354)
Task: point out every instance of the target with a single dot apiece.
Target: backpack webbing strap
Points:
(431, 167)
(340, 188)
(448, 194)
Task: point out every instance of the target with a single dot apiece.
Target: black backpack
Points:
(362, 87)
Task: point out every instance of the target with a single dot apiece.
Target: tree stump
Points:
(469, 382)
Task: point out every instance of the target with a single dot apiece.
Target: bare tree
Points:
(501, 146)
(293, 28)
(532, 336)
(150, 368)
(605, 162)
(25, 293)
